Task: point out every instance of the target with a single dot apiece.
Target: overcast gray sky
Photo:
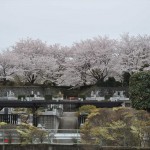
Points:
(68, 21)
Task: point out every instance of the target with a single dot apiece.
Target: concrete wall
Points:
(49, 121)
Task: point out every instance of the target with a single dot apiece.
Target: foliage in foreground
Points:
(24, 132)
(28, 133)
(140, 90)
(117, 127)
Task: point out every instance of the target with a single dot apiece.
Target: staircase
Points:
(68, 122)
(68, 125)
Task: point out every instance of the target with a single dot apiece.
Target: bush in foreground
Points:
(117, 127)
(139, 89)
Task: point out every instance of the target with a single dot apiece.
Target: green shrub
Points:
(86, 109)
(21, 97)
(48, 97)
(82, 96)
(139, 90)
(106, 100)
(126, 77)
(49, 83)
(32, 95)
(107, 97)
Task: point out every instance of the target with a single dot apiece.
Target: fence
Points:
(81, 119)
(64, 147)
(103, 137)
(39, 136)
(9, 118)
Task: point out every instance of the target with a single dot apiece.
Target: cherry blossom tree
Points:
(86, 62)
(8, 63)
(29, 53)
(134, 52)
(39, 62)
(94, 58)
(103, 60)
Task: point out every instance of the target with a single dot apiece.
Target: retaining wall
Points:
(64, 147)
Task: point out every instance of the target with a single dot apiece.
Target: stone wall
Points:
(26, 90)
(106, 91)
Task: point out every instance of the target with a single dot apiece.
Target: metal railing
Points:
(50, 136)
(104, 136)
